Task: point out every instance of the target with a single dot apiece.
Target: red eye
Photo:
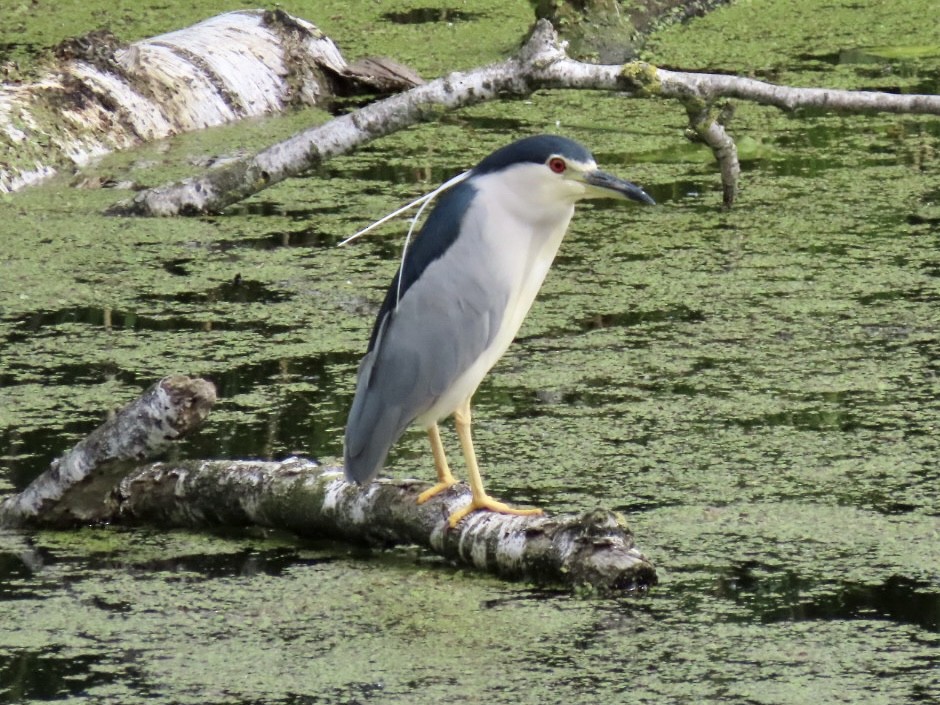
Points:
(557, 164)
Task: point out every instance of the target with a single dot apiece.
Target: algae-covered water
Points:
(757, 391)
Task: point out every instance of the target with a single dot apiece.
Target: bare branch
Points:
(709, 86)
(236, 180)
(540, 63)
(709, 129)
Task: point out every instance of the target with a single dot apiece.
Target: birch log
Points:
(540, 63)
(595, 549)
(105, 479)
(102, 96)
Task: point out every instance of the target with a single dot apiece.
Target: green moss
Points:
(836, 48)
(641, 77)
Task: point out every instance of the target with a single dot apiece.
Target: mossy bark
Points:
(593, 550)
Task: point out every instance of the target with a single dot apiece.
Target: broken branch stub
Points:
(76, 488)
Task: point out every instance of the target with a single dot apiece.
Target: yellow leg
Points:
(479, 500)
(445, 478)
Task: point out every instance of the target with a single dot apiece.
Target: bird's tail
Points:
(362, 467)
(372, 429)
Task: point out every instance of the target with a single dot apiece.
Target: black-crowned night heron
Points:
(463, 289)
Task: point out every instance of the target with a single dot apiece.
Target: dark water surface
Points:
(757, 391)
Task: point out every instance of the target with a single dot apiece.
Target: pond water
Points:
(757, 391)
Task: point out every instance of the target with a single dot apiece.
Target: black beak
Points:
(611, 185)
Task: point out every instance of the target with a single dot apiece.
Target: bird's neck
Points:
(526, 231)
(528, 205)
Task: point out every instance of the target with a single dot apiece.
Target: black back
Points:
(443, 224)
(434, 239)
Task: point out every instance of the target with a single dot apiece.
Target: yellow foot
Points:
(490, 504)
(435, 490)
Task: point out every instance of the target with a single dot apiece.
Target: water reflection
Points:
(374, 178)
(311, 236)
(16, 570)
(882, 62)
(638, 317)
(426, 15)
(787, 596)
(681, 190)
(51, 673)
(236, 291)
(294, 418)
(264, 208)
(245, 563)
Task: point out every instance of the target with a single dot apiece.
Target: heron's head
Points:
(550, 168)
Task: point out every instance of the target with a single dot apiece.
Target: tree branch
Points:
(76, 486)
(540, 63)
(711, 86)
(595, 549)
(709, 129)
(103, 480)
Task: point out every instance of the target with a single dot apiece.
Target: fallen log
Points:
(100, 96)
(594, 549)
(106, 479)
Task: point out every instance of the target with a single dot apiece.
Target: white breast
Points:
(526, 243)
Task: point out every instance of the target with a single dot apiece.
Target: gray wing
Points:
(443, 322)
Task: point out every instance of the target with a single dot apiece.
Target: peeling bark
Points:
(104, 479)
(540, 63)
